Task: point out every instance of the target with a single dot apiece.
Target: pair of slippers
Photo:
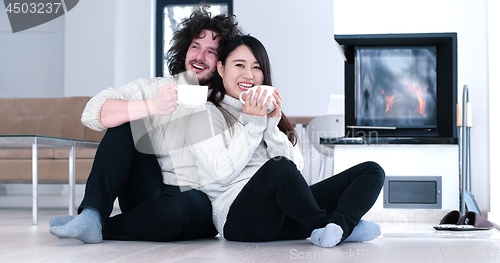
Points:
(455, 221)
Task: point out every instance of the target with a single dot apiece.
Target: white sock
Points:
(85, 227)
(364, 231)
(329, 236)
(60, 220)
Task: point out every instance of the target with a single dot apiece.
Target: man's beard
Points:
(207, 79)
(195, 79)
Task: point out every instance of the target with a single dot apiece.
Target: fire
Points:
(421, 101)
(389, 101)
(413, 88)
(420, 97)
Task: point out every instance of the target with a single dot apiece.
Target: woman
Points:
(247, 165)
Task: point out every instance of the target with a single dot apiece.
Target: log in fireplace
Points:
(401, 87)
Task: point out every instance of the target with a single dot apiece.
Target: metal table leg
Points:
(72, 180)
(34, 171)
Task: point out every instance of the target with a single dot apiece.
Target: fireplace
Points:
(401, 87)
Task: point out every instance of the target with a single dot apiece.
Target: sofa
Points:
(53, 117)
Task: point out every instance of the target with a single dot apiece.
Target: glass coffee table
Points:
(35, 142)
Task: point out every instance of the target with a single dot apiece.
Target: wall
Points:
(468, 19)
(304, 56)
(89, 50)
(107, 46)
(473, 71)
(494, 93)
(133, 59)
(32, 63)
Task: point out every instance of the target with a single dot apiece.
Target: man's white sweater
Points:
(227, 158)
(167, 133)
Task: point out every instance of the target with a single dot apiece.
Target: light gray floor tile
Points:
(400, 242)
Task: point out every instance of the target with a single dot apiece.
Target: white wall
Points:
(299, 39)
(494, 93)
(107, 46)
(133, 40)
(468, 19)
(394, 16)
(32, 62)
(89, 50)
(473, 71)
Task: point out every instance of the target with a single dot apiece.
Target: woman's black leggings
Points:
(277, 203)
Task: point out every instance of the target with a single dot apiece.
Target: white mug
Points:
(192, 96)
(270, 91)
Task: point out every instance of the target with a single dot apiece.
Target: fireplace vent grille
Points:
(412, 192)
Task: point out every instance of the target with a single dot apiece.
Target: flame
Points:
(418, 91)
(389, 101)
(420, 97)
(421, 101)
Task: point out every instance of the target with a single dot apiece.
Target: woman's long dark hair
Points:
(260, 53)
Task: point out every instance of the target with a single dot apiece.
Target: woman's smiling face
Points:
(240, 72)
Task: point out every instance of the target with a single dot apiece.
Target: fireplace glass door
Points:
(396, 86)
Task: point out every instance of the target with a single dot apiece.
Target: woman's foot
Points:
(364, 231)
(328, 236)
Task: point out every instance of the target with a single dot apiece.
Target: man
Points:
(153, 175)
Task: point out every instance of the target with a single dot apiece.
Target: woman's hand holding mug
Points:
(262, 104)
(276, 112)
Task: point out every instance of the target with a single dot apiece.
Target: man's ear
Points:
(220, 68)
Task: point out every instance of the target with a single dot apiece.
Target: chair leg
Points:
(333, 166)
(322, 166)
(333, 163)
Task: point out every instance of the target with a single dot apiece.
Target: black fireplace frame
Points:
(446, 82)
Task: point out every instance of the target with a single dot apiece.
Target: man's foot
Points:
(85, 227)
(60, 220)
(329, 236)
(364, 231)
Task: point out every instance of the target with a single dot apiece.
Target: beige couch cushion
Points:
(26, 154)
(79, 153)
(55, 117)
(53, 171)
(47, 154)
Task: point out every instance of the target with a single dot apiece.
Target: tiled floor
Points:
(400, 242)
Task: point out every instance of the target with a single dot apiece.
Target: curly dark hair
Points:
(226, 28)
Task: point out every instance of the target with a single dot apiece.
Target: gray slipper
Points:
(471, 221)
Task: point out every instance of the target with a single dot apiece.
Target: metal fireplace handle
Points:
(464, 122)
(371, 127)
